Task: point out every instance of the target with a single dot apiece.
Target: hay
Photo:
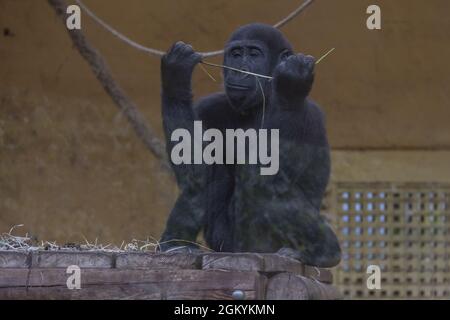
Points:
(12, 242)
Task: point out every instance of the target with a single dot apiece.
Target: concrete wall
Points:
(71, 166)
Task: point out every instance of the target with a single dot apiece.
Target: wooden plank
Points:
(278, 263)
(138, 275)
(158, 261)
(115, 292)
(233, 261)
(63, 259)
(11, 277)
(286, 286)
(264, 262)
(14, 259)
(93, 292)
(50, 283)
(320, 274)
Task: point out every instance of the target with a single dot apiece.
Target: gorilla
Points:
(237, 208)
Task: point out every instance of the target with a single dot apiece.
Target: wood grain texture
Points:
(50, 283)
(158, 261)
(320, 274)
(277, 263)
(286, 286)
(14, 259)
(63, 259)
(140, 275)
(233, 261)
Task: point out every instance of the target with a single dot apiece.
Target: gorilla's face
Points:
(243, 90)
(256, 48)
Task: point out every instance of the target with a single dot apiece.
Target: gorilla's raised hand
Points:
(177, 66)
(293, 80)
(185, 220)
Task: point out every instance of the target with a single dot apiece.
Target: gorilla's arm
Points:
(301, 123)
(177, 112)
(305, 158)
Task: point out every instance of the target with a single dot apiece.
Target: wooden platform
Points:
(42, 275)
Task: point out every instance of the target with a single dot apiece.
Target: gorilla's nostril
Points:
(242, 74)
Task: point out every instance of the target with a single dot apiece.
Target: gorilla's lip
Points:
(237, 86)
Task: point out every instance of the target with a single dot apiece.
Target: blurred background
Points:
(71, 166)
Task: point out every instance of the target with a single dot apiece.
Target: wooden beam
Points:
(148, 275)
(50, 283)
(287, 286)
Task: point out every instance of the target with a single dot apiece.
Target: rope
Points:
(156, 52)
(293, 14)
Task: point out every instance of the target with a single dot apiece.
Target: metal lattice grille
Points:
(402, 228)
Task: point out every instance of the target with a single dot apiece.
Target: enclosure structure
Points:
(70, 163)
(137, 275)
(401, 227)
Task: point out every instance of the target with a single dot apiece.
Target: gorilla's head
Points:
(257, 48)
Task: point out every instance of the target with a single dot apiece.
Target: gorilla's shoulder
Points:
(211, 107)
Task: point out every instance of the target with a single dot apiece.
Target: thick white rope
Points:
(160, 53)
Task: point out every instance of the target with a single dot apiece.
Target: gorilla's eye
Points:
(255, 52)
(236, 53)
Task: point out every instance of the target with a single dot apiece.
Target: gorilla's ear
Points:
(284, 55)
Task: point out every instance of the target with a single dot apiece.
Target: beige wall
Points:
(70, 165)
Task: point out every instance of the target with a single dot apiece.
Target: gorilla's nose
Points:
(242, 75)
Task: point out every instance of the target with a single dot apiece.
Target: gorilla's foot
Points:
(326, 260)
(185, 249)
(188, 248)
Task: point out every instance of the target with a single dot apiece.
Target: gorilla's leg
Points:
(184, 223)
(312, 241)
(288, 220)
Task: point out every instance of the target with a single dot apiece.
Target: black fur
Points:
(238, 209)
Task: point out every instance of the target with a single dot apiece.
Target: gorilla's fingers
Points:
(197, 57)
(175, 47)
(310, 61)
(181, 51)
(177, 50)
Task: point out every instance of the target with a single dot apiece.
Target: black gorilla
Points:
(238, 209)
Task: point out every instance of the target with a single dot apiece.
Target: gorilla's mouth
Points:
(237, 86)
